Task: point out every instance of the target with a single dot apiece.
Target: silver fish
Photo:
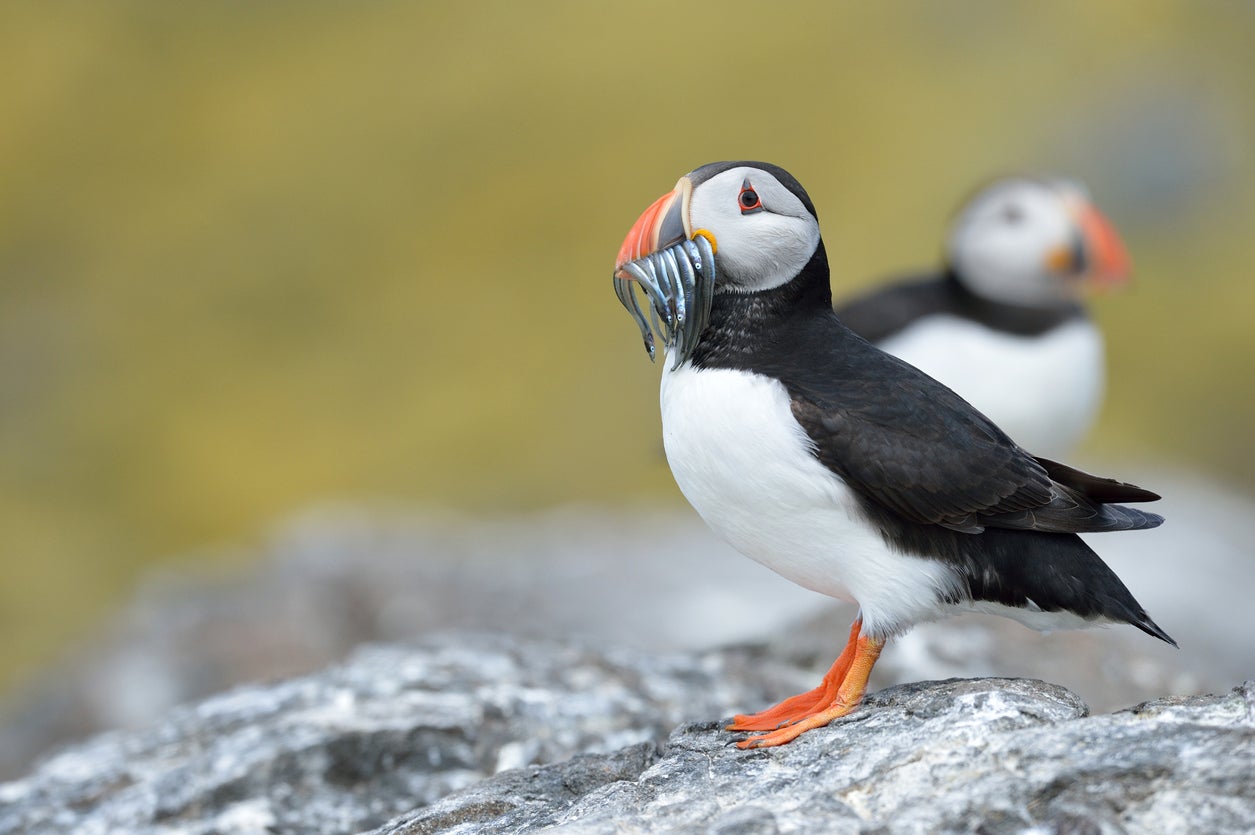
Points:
(679, 283)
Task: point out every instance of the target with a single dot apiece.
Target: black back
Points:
(888, 310)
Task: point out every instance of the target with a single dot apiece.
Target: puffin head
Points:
(726, 227)
(1034, 243)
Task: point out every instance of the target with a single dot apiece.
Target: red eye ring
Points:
(748, 199)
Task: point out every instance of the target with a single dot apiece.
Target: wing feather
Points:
(916, 448)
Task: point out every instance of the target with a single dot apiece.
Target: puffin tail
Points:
(1048, 572)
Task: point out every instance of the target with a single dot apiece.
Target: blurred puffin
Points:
(1003, 322)
(837, 465)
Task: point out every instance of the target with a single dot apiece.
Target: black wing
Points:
(878, 314)
(913, 446)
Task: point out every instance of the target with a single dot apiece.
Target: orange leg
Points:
(796, 708)
(848, 693)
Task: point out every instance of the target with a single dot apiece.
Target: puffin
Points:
(839, 466)
(1003, 322)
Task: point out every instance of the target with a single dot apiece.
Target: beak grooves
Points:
(642, 239)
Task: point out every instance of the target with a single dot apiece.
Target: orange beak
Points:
(1096, 255)
(1109, 264)
(664, 223)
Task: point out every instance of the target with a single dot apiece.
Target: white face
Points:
(1011, 243)
(763, 234)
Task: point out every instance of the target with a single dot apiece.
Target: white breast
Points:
(747, 467)
(1043, 391)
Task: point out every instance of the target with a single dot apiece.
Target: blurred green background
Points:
(258, 255)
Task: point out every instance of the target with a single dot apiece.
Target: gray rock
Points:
(392, 729)
(333, 578)
(984, 755)
(486, 733)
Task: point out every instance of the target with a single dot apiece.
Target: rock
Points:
(392, 729)
(984, 755)
(531, 798)
(333, 578)
(482, 733)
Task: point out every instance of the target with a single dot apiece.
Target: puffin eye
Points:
(1012, 213)
(748, 199)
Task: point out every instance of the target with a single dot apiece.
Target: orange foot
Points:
(838, 694)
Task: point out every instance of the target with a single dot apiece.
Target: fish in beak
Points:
(675, 269)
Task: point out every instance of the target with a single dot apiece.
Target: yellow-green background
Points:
(255, 255)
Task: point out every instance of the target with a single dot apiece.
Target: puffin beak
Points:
(662, 225)
(1110, 265)
(676, 270)
(1097, 253)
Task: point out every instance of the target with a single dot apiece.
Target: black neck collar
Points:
(742, 324)
(1015, 319)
